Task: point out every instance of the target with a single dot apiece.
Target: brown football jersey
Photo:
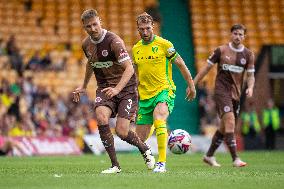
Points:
(106, 57)
(232, 64)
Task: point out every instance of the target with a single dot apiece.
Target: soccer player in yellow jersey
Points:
(153, 57)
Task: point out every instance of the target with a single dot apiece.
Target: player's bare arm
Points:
(127, 74)
(250, 77)
(202, 73)
(82, 89)
(190, 90)
(250, 83)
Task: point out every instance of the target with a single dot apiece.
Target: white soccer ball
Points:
(179, 141)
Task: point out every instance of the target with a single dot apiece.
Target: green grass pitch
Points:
(265, 170)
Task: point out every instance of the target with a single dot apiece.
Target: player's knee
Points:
(102, 119)
(229, 124)
(161, 114)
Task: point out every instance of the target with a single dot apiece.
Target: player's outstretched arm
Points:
(190, 90)
(82, 89)
(202, 73)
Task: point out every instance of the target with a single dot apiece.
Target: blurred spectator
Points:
(28, 4)
(34, 62)
(250, 127)
(28, 124)
(55, 29)
(68, 46)
(271, 123)
(39, 21)
(60, 65)
(15, 57)
(46, 61)
(14, 109)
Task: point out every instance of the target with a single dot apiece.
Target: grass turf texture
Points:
(265, 170)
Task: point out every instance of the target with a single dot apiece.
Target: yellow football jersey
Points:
(154, 63)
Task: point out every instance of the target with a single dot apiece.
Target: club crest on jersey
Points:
(243, 61)
(104, 53)
(227, 109)
(98, 99)
(155, 49)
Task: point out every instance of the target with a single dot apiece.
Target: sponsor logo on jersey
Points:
(104, 53)
(232, 68)
(106, 64)
(243, 61)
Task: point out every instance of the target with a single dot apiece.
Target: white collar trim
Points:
(101, 39)
(236, 50)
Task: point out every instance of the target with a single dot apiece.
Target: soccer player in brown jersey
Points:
(233, 60)
(116, 94)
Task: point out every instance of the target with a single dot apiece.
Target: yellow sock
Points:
(162, 136)
(151, 132)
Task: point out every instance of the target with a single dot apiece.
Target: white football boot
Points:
(160, 167)
(149, 159)
(111, 170)
(211, 161)
(239, 163)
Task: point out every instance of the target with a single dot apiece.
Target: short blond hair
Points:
(144, 18)
(89, 13)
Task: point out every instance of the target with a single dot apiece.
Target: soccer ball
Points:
(179, 141)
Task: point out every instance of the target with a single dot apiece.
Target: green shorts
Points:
(146, 107)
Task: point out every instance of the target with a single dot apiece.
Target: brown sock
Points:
(108, 142)
(133, 139)
(232, 145)
(215, 143)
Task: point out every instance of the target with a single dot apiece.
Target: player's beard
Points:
(237, 43)
(95, 36)
(147, 38)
